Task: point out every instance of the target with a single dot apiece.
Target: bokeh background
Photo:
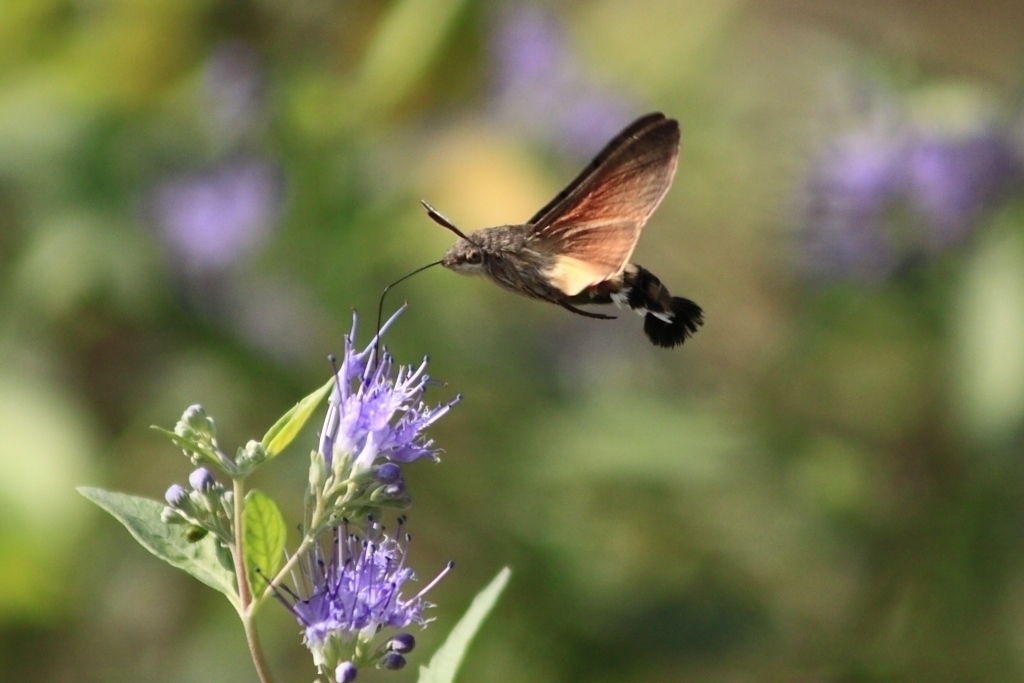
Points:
(825, 484)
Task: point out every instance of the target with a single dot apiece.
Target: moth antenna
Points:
(380, 305)
(442, 221)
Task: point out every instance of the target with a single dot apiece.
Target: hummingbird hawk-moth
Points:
(576, 249)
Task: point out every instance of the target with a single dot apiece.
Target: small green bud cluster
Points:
(207, 508)
(196, 435)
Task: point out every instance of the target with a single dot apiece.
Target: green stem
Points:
(245, 590)
(258, 660)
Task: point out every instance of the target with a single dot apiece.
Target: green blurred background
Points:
(825, 484)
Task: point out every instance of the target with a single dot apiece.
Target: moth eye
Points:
(475, 258)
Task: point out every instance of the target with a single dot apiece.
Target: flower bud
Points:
(196, 419)
(317, 471)
(392, 661)
(340, 463)
(345, 673)
(176, 496)
(252, 455)
(171, 516)
(403, 643)
(194, 534)
(201, 480)
(388, 473)
(227, 504)
(392, 495)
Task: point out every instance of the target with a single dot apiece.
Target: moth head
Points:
(464, 257)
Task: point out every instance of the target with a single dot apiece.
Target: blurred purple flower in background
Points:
(213, 219)
(952, 182)
(210, 220)
(847, 191)
(543, 90)
(875, 200)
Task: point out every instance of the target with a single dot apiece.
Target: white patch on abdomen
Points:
(621, 299)
(664, 317)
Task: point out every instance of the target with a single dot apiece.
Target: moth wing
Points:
(593, 225)
(611, 147)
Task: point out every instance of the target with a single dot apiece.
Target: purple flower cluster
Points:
(873, 201)
(353, 591)
(210, 219)
(352, 586)
(951, 182)
(372, 414)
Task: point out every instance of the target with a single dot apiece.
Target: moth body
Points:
(503, 255)
(575, 251)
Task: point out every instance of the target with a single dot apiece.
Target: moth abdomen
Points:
(673, 330)
(668, 320)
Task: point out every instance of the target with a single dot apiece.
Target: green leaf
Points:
(141, 516)
(446, 661)
(264, 533)
(291, 423)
